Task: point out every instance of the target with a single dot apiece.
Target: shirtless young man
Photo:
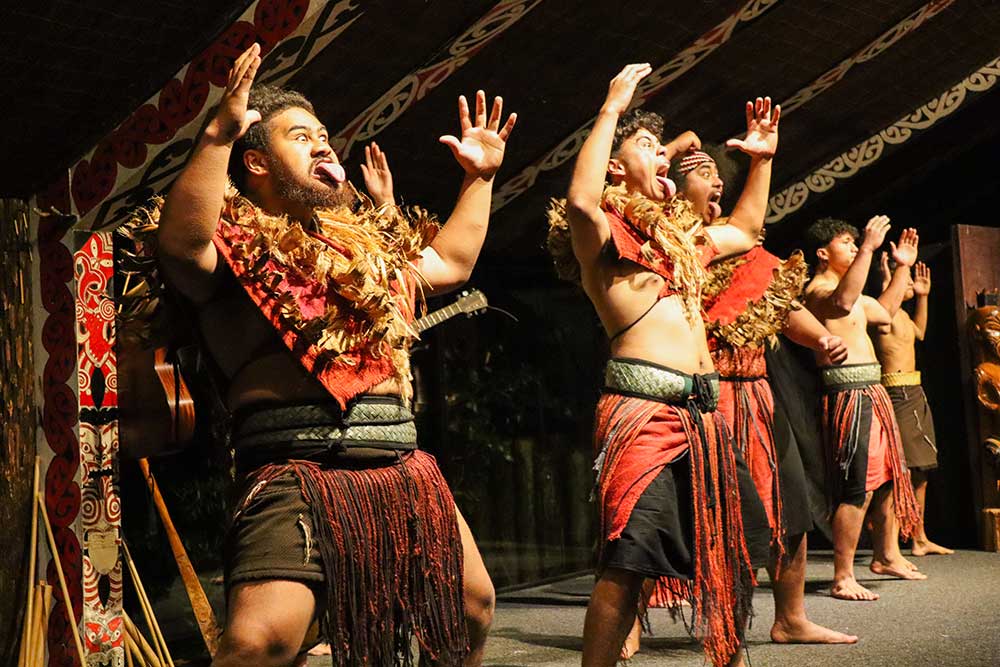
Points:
(305, 307)
(894, 345)
(864, 454)
(667, 473)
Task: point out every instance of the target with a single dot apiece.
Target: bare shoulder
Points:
(819, 288)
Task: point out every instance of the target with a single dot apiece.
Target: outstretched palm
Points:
(233, 119)
(905, 253)
(922, 280)
(481, 148)
(761, 140)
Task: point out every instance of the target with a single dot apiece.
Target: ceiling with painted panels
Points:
(846, 71)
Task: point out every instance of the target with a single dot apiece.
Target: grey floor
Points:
(952, 618)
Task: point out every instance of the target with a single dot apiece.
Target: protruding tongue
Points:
(668, 185)
(715, 209)
(332, 171)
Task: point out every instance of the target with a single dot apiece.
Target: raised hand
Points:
(761, 140)
(921, 279)
(622, 87)
(378, 178)
(232, 119)
(883, 266)
(835, 349)
(875, 232)
(905, 254)
(481, 148)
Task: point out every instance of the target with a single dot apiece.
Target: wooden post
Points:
(976, 261)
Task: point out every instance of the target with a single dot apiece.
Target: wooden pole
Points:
(128, 652)
(147, 610)
(43, 629)
(133, 630)
(200, 605)
(67, 602)
(36, 651)
(134, 651)
(26, 636)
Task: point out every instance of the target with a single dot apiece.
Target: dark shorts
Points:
(916, 426)
(272, 536)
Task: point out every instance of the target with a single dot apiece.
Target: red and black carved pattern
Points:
(59, 418)
(180, 101)
(100, 510)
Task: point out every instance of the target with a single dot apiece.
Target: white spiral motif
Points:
(870, 150)
(497, 21)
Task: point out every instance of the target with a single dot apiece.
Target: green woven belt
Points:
(637, 378)
(854, 374)
(368, 421)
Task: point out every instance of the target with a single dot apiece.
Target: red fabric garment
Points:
(886, 461)
(629, 243)
(638, 437)
(748, 283)
(748, 408)
(349, 375)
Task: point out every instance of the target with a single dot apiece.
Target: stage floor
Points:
(952, 618)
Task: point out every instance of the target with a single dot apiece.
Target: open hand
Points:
(761, 140)
(232, 119)
(883, 266)
(921, 279)
(905, 254)
(622, 87)
(835, 349)
(875, 232)
(481, 148)
(378, 178)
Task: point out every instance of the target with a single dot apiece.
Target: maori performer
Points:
(895, 347)
(865, 462)
(669, 481)
(305, 293)
(747, 301)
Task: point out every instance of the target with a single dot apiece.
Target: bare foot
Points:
(928, 548)
(631, 645)
(900, 569)
(807, 632)
(850, 589)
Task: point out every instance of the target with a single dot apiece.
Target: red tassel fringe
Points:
(392, 559)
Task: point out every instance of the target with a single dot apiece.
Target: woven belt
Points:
(643, 379)
(373, 421)
(852, 375)
(904, 379)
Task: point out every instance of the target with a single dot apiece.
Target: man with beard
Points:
(748, 300)
(865, 464)
(669, 480)
(896, 351)
(305, 293)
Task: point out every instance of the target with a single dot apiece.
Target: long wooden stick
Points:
(43, 628)
(147, 610)
(200, 605)
(147, 650)
(27, 636)
(36, 650)
(67, 602)
(128, 653)
(134, 650)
